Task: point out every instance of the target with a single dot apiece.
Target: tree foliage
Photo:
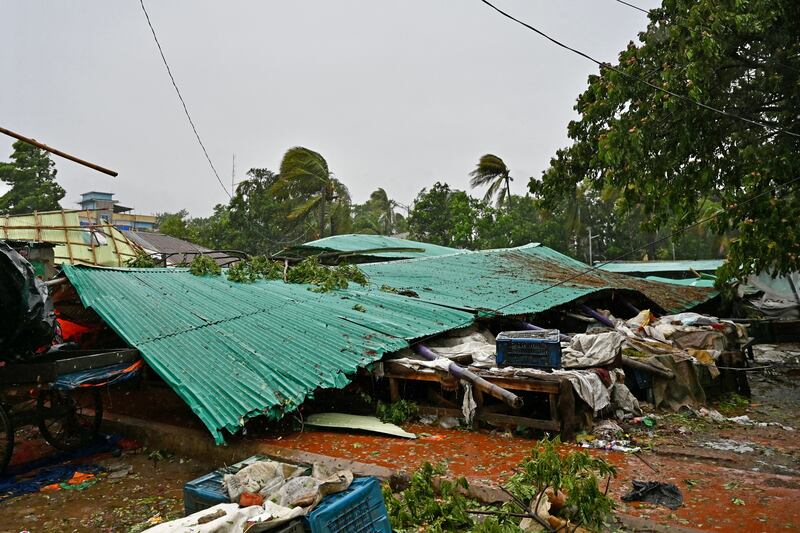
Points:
(492, 171)
(32, 177)
(671, 159)
(317, 197)
(377, 215)
(445, 217)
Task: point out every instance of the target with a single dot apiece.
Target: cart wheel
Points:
(69, 419)
(6, 439)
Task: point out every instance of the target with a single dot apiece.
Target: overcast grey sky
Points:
(393, 94)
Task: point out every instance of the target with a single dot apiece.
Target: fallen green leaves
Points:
(434, 504)
(141, 260)
(309, 271)
(566, 484)
(398, 412)
(202, 265)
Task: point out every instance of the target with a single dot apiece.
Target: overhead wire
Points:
(621, 72)
(183, 102)
(623, 2)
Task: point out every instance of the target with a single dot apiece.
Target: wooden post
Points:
(66, 238)
(394, 390)
(566, 410)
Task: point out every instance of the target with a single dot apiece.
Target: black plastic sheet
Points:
(657, 492)
(27, 320)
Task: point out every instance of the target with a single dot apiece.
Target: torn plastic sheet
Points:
(27, 320)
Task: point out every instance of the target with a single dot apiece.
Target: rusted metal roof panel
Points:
(515, 281)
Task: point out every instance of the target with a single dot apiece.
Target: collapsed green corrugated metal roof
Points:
(702, 265)
(494, 279)
(373, 243)
(233, 351)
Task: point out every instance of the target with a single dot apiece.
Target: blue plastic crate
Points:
(534, 349)
(208, 490)
(204, 492)
(359, 509)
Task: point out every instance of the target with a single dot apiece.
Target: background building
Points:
(100, 207)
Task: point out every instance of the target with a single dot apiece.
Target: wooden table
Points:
(563, 417)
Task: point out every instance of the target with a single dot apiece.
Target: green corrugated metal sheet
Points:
(233, 351)
(493, 279)
(690, 282)
(356, 242)
(703, 265)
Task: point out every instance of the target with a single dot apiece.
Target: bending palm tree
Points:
(304, 176)
(492, 171)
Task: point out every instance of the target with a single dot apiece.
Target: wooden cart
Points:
(39, 393)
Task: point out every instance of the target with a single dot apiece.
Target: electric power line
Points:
(633, 6)
(603, 64)
(180, 97)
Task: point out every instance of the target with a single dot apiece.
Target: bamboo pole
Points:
(65, 155)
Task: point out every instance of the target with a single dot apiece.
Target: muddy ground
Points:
(733, 477)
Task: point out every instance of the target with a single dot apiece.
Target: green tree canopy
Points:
(670, 158)
(444, 216)
(173, 224)
(32, 177)
(376, 215)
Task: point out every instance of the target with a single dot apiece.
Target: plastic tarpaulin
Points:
(27, 319)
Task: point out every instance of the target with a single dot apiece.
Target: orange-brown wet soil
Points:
(771, 501)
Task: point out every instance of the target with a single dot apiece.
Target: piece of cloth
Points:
(657, 492)
(586, 383)
(99, 377)
(234, 519)
(586, 350)
(11, 486)
(308, 491)
(260, 476)
(468, 406)
(682, 390)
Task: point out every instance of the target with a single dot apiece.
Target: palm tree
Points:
(381, 203)
(492, 171)
(304, 176)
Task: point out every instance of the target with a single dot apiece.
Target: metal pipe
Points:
(627, 304)
(65, 155)
(462, 373)
(597, 316)
(531, 327)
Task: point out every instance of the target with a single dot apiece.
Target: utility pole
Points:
(233, 175)
(591, 237)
